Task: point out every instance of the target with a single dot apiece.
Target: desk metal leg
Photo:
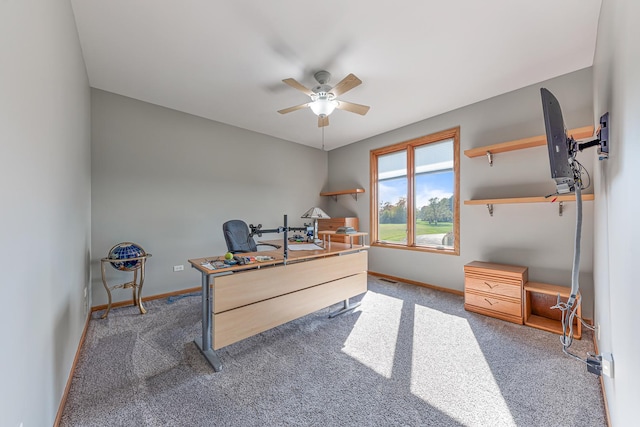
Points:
(347, 307)
(204, 344)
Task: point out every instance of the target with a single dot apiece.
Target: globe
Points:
(125, 251)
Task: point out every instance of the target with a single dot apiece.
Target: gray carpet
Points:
(409, 356)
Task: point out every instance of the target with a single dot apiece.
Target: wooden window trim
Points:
(453, 133)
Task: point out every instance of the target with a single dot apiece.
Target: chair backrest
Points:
(237, 236)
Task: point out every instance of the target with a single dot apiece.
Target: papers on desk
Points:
(214, 265)
(305, 247)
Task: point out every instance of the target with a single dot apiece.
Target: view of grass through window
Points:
(434, 212)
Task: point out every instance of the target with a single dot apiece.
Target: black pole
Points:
(286, 240)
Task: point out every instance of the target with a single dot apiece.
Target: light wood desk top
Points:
(276, 254)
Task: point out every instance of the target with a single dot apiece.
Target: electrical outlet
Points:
(178, 267)
(85, 292)
(607, 364)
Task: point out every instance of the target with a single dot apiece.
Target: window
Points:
(415, 191)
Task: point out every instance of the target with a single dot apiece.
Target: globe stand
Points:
(125, 264)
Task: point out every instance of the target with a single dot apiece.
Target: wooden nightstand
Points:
(495, 290)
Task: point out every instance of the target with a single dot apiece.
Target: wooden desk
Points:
(245, 300)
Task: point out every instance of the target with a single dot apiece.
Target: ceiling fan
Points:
(324, 97)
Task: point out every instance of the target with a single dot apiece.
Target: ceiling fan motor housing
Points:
(321, 89)
(323, 78)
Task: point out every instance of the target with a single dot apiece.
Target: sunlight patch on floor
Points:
(373, 343)
(449, 370)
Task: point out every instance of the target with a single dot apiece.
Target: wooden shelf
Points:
(338, 193)
(538, 298)
(538, 199)
(519, 144)
(335, 194)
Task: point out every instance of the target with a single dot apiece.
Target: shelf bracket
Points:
(560, 205)
(335, 197)
(490, 158)
(490, 208)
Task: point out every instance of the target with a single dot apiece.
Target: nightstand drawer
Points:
(493, 287)
(487, 302)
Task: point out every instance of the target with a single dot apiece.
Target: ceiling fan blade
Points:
(354, 108)
(290, 109)
(294, 84)
(346, 84)
(323, 121)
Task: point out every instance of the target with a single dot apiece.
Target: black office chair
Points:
(238, 237)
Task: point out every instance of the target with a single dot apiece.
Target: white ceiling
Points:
(225, 60)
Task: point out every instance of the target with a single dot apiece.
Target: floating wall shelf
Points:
(335, 194)
(519, 144)
(538, 199)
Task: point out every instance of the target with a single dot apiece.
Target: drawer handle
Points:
(490, 287)
(491, 303)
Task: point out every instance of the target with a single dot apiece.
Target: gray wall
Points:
(617, 90)
(526, 234)
(45, 215)
(169, 180)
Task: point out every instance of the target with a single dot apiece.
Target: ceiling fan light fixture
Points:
(323, 105)
(324, 97)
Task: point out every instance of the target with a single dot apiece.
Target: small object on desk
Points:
(263, 258)
(243, 260)
(345, 230)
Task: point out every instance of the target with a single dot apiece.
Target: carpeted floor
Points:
(409, 356)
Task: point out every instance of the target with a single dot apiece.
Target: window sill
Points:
(435, 250)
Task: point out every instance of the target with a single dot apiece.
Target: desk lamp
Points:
(315, 213)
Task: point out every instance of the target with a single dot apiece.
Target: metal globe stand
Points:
(136, 284)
